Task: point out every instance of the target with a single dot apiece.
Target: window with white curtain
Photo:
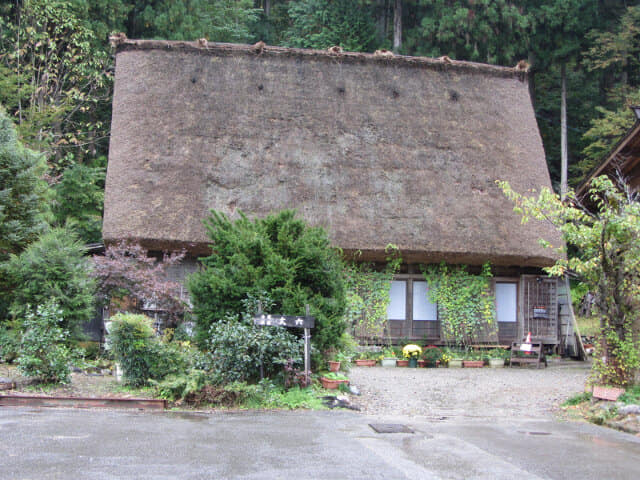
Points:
(507, 302)
(397, 309)
(423, 309)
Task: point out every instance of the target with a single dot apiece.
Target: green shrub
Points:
(335, 376)
(431, 355)
(238, 349)
(142, 356)
(631, 395)
(91, 350)
(181, 386)
(131, 340)
(78, 201)
(498, 353)
(266, 394)
(9, 342)
(280, 255)
(54, 267)
(43, 353)
(577, 399)
(23, 200)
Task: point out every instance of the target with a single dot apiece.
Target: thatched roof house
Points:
(377, 149)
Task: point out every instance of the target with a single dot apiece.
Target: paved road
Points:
(79, 444)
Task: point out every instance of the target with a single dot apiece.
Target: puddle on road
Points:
(194, 417)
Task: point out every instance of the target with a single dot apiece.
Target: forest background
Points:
(57, 67)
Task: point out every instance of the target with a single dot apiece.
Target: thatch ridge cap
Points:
(441, 63)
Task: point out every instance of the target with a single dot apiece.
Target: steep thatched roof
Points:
(376, 149)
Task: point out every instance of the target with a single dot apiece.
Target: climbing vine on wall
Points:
(466, 306)
(368, 295)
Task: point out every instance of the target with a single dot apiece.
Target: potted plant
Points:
(412, 352)
(472, 360)
(496, 357)
(455, 358)
(555, 358)
(402, 362)
(445, 358)
(334, 366)
(430, 356)
(388, 358)
(332, 380)
(365, 360)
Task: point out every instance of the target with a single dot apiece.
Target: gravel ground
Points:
(467, 392)
(82, 385)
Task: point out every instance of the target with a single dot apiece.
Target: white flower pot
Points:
(496, 362)
(388, 362)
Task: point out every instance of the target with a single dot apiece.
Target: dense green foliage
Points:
(607, 242)
(22, 201)
(367, 295)
(53, 268)
(43, 351)
(322, 24)
(466, 306)
(22, 192)
(219, 21)
(9, 341)
(78, 201)
(279, 255)
(56, 81)
(142, 355)
(243, 352)
(485, 31)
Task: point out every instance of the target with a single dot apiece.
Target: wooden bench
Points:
(532, 355)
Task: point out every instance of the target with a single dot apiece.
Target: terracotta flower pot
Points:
(422, 363)
(334, 366)
(472, 363)
(365, 362)
(330, 384)
(402, 363)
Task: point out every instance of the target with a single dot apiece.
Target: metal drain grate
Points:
(390, 428)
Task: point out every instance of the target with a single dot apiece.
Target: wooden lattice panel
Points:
(540, 308)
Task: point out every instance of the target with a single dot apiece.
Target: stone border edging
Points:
(81, 402)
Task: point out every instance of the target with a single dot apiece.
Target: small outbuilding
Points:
(623, 160)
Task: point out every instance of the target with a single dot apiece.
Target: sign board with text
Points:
(291, 321)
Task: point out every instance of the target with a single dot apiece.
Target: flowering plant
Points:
(445, 358)
(388, 353)
(411, 351)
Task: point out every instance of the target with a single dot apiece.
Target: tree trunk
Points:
(267, 8)
(532, 79)
(382, 20)
(397, 26)
(564, 151)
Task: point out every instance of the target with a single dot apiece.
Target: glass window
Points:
(423, 309)
(397, 309)
(506, 302)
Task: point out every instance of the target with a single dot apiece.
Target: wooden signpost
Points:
(292, 321)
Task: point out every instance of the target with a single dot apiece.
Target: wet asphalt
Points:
(110, 444)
